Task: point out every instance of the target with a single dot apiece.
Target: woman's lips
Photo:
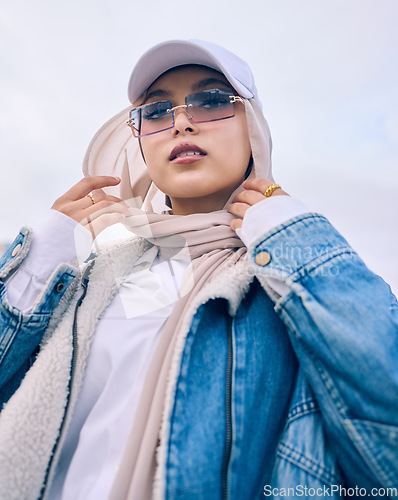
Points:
(186, 153)
(187, 159)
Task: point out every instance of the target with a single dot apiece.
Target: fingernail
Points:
(117, 178)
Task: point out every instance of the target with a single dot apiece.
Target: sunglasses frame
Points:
(136, 133)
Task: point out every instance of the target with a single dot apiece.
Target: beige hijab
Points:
(206, 239)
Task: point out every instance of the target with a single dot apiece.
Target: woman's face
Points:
(200, 183)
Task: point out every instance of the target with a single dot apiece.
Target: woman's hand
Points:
(95, 217)
(254, 192)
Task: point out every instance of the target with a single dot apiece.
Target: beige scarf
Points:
(206, 239)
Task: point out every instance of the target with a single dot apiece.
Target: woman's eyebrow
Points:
(157, 93)
(209, 81)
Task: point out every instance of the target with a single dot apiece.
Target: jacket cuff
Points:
(53, 291)
(267, 214)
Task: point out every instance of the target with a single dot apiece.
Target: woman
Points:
(188, 362)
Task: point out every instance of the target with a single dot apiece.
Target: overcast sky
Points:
(326, 73)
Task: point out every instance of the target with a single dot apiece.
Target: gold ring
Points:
(268, 192)
(91, 198)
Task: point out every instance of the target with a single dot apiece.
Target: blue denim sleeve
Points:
(342, 320)
(20, 334)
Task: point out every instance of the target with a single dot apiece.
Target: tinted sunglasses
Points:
(206, 106)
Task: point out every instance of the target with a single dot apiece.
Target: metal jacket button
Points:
(263, 258)
(16, 250)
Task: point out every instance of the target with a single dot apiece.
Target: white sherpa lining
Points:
(31, 420)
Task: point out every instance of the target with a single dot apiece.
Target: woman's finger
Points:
(254, 192)
(99, 195)
(261, 186)
(238, 209)
(250, 197)
(236, 224)
(89, 184)
(88, 204)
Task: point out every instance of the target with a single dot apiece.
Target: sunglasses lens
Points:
(134, 121)
(210, 105)
(155, 117)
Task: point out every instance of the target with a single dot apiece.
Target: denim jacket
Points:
(331, 338)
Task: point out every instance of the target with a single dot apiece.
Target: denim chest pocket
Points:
(303, 458)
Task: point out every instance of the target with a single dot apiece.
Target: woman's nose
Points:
(183, 123)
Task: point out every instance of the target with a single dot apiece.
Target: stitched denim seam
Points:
(321, 260)
(368, 457)
(282, 227)
(7, 344)
(331, 389)
(289, 454)
(302, 409)
(296, 221)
